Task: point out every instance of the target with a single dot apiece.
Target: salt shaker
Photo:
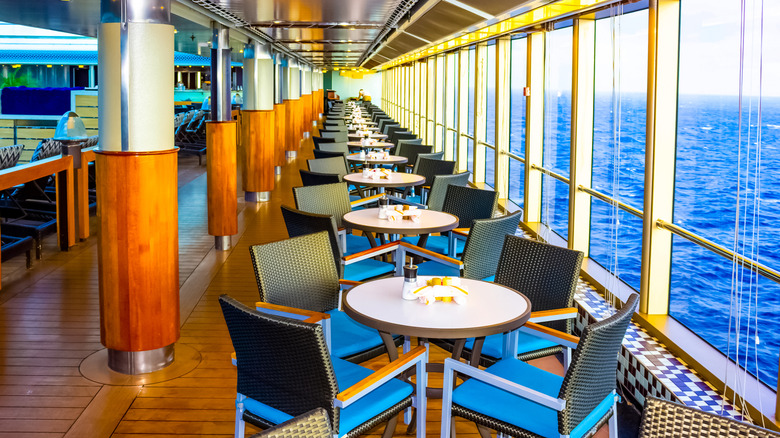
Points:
(410, 282)
(383, 203)
(366, 171)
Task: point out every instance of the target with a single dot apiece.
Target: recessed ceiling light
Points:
(277, 21)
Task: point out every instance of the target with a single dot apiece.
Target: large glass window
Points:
(726, 180)
(440, 120)
(557, 129)
(518, 82)
(490, 97)
(471, 85)
(620, 109)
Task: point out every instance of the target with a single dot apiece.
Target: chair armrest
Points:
(291, 312)
(233, 359)
(417, 356)
(553, 314)
(368, 200)
(403, 201)
(549, 334)
(461, 232)
(430, 255)
(533, 395)
(350, 283)
(369, 253)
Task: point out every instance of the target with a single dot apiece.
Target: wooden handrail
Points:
(13, 176)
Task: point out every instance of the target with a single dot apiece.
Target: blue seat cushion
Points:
(491, 278)
(371, 405)
(349, 337)
(356, 244)
(526, 342)
(438, 244)
(437, 269)
(366, 269)
(510, 408)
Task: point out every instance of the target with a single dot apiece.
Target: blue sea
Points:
(733, 309)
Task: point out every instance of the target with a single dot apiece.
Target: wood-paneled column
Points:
(138, 254)
(259, 159)
(293, 102)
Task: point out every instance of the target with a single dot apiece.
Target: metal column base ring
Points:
(278, 170)
(306, 135)
(140, 362)
(291, 154)
(257, 196)
(222, 243)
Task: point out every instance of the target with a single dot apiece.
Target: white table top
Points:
(392, 159)
(490, 308)
(394, 179)
(377, 145)
(431, 221)
(374, 136)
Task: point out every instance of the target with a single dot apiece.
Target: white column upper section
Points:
(258, 78)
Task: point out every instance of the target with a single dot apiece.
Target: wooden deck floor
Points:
(49, 322)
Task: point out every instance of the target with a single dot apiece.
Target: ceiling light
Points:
(344, 24)
(277, 21)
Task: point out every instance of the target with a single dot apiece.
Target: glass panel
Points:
(490, 166)
(619, 130)
(490, 98)
(470, 160)
(516, 181)
(725, 170)
(472, 72)
(557, 129)
(518, 101)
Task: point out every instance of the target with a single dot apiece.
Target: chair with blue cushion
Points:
(333, 200)
(480, 255)
(312, 424)
(353, 268)
(284, 369)
(548, 276)
(429, 166)
(520, 400)
(301, 272)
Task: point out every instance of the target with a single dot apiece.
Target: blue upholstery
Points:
(437, 270)
(356, 244)
(349, 337)
(499, 404)
(526, 342)
(369, 406)
(366, 269)
(440, 244)
(491, 278)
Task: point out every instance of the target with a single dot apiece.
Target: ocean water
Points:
(715, 169)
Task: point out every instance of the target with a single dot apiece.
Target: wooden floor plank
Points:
(99, 422)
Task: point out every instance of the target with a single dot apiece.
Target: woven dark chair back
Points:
(335, 147)
(330, 199)
(318, 141)
(391, 130)
(410, 151)
(315, 178)
(404, 135)
(431, 156)
(469, 204)
(9, 155)
(282, 362)
(592, 374)
(328, 124)
(429, 168)
(666, 419)
(337, 165)
(313, 424)
(325, 154)
(338, 136)
(439, 188)
(297, 272)
(546, 274)
(300, 223)
(483, 246)
(385, 125)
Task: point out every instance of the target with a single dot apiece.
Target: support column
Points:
(221, 146)
(280, 115)
(306, 101)
(138, 253)
(258, 124)
(292, 104)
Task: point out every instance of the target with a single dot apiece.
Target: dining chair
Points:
(337, 136)
(309, 178)
(312, 424)
(337, 165)
(481, 253)
(410, 151)
(386, 124)
(429, 166)
(300, 272)
(333, 200)
(356, 267)
(318, 141)
(667, 419)
(467, 204)
(335, 147)
(521, 400)
(326, 154)
(284, 369)
(547, 275)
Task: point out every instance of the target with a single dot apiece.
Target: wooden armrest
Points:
(553, 314)
(366, 200)
(545, 332)
(386, 371)
(349, 282)
(233, 359)
(428, 253)
(371, 252)
(462, 231)
(311, 316)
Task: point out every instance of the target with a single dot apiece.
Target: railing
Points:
(611, 201)
(548, 172)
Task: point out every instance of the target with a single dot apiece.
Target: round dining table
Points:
(377, 145)
(391, 159)
(374, 136)
(431, 221)
(393, 179)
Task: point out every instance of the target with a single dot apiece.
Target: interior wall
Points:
(347, 87)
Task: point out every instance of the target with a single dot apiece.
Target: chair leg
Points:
(390, 428)
(613, 422)
(240, 425)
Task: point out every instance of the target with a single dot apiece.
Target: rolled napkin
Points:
(447, 289)
(393, 216)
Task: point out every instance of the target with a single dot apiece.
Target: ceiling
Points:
(327, 33)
